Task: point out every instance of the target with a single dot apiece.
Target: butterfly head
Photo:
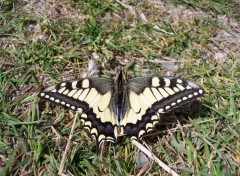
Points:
(120, 77)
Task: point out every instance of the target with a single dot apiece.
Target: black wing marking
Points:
(148, 97)
(92, 97)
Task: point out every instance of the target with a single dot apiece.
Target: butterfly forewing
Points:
(163, 94)
(151, 96)
(92, 97)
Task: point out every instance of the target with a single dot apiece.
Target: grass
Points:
(42, 44)
(229, 7)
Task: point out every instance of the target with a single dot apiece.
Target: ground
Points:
(45, 42)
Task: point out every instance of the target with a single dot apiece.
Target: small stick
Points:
(153, 157)
(63, 161)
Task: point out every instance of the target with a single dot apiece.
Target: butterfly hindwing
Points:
(151, 96)
(91, 96)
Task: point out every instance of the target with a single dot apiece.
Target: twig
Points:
(153, 157)
(63, 161)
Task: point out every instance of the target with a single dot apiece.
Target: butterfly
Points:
(112, 108)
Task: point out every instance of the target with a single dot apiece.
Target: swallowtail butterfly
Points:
(111, 108)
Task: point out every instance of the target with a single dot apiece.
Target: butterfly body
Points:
(111, 108)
